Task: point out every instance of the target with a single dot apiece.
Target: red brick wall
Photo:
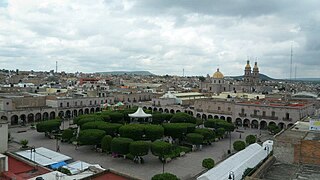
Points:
(308, 152)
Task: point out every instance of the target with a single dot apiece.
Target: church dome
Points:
(255, 65)
(218, 75)
(248, 65)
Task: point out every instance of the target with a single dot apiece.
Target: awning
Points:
(57, 165)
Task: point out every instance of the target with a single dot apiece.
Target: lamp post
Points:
(229, 152)
(231, 175)
(33, 150)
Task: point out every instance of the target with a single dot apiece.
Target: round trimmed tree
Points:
(133, 131)
(120, 145)
(106, 143)
(194, 138)
(67, 134)
(91, 136)
(250, 139)
(154, 132)
(165, 176)
(208, 134)
(181, 117)
(139, 148)
(48, 126)
(208, 163)
(239, 145)
(160, 148)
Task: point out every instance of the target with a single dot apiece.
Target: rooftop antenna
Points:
(295, 72)
(291, 63)
(56, 66)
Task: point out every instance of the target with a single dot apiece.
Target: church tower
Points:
(255, 73)
(247, 73)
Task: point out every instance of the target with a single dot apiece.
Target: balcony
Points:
(263, 117)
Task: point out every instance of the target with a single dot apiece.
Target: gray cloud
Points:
(162, 36)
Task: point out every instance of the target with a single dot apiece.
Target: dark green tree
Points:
(154, 132)
(208, 163)
(165, 176)
(133, 131)
(239, 145)
(250, 139)
(139, 148)
(48, 126)
(194, 138)
(91, 136)
(181, 117)
(120, 145)
(106, 143)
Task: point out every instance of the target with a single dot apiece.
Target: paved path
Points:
(185, 167)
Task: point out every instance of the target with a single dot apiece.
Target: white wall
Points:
(3, 136)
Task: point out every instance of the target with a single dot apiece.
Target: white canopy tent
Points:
(140, 114)
(238, 163)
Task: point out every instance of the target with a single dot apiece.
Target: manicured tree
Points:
(158, 118)
(120, 145)
(250, 139)
(220, 132)
(116, 117)
(133, 131)
(67, 134)
(48, 126)
(219, 123)
(208, 134)
(106, 143)
(154, 132)
(239, 145)
(111, 128)
(175, 130)
(91, 136)
(181, 117)
(165, 176)
(274, 129)
(208, 163)
(160, 148)
(105, 116)
(139, 148)
(89, 118)
(93, 125)
(194, 138)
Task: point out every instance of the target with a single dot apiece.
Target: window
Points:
(229, 108)
(95, 102)
(80, 103)
(76, 103)
(61, 104)
(242, 111)
(219, 108)
(255, 112)
(101, 101)
(263, 113)
(90, 102)
(273, 114)
(287, 116)
(67, 104)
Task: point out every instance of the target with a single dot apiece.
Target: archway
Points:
(246, 123)
(210, 116)
(86, 111)
(61, 114)
(263, 125)
(150, 108)
(38, 117)
(216, 117)
(254, 124)
(178, 111)
(272, 123)
(80, 112)
(172, 111)
(98, 109)
(92, 110)
(166, 111)
(4, 118)
(144, 108)
(155, 109)
(45, 116)
(160, 109)
(191, 113)
(281, 125)
(198, 115)
(222, 117)
(238, 122)
(30, 118)
(23, 118)
(229, 119)
(75, 113)
(68, 114)
(14, 120)
(204, 116)
(52, 115)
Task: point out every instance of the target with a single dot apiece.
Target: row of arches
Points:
(36, 117)
(255, 124)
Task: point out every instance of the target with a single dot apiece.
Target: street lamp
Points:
(229, 152)
(33, 150)
(231, 175)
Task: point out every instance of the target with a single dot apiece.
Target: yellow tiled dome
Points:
(218, 75)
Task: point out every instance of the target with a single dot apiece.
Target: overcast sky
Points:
(161, 36)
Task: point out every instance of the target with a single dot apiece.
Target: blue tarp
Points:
(57, 165)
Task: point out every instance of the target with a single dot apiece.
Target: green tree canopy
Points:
(120, 145)
(106, 143)
(239, 145)
(219, 123)
(208, 163)
(165, 176)
(195, 138)
(158, 118)
(139, 148)
(67, 134)
(208, 134)
(133, 131)
(178, 130)
(181, 117)
(91, 136)
(250, 139)
(48, 126)
(160, 148)
(154, 132)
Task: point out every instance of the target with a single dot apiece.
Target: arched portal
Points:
(86, 111)
(229, 119)
(238, 122)
(80, 112)
(254, 124)
(222, 117)
(172, 111)
(210, 116)
(14, 120)
(38, 117)
(61, 114)
(281, 125)
(45, 116)
(216, 117)
(198, 115)
(246, 123)
(204, 116)
(92, 110)
(166, 111)
(52, 115)
(263, 125)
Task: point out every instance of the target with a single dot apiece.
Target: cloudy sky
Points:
(161, 36)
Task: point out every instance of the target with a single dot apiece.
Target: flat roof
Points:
(44, 156)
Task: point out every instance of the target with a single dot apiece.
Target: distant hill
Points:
(309, 79)
(139, 73)
(262, 77)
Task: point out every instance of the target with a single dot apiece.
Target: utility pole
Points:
(291, 63)
(56, 66)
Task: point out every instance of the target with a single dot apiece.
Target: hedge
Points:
(158, 118)
(48, 126)
(67, 134)
(91, 136)
(194, 138)
(139, 148)
(110, 128)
